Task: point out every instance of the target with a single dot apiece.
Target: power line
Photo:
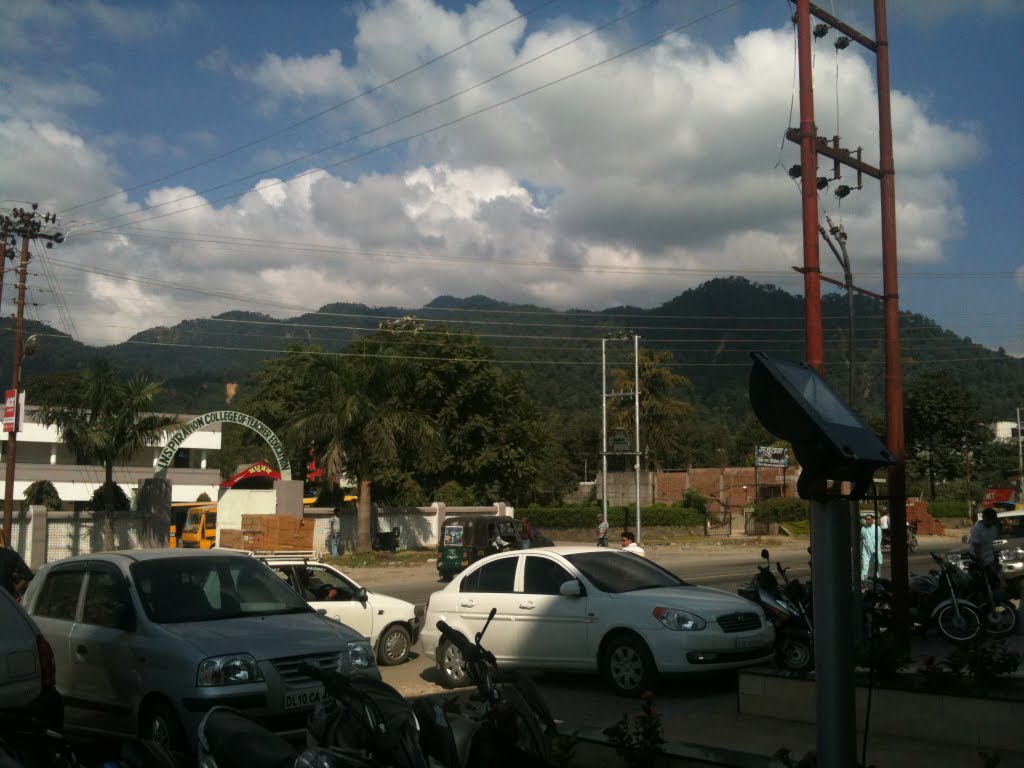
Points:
(427, 131)
(317, 115)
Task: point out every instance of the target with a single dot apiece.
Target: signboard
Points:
(996, 495)
(770, 456)
(11, 411)
(232, 417)
(259, 469)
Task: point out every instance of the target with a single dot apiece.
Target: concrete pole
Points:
(833, 635)
(604, 432)
(636, 409)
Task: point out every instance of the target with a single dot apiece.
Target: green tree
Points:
(942, 424)
(106, 419)
(662, 410)
(42, 492)
(362, 423)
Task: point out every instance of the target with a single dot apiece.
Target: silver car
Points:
(148, 641)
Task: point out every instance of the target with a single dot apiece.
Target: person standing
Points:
(870, 548)
(883, 524)
(14, 574)
(602, 531)
(629, 544)
(982, 543)
(334, 537)
(527, 534)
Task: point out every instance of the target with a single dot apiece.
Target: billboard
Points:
(770, 456)
(11, 411)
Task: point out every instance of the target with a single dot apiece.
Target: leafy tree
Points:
(42, 492)
(110, 498)
(662, 411)
(942, 423)
(362, 423)
(454, 495)
(105, 419)
(204, 496)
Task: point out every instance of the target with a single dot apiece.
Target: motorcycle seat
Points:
(235, 741)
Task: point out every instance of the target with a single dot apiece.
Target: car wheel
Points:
(394, 646)
(628, 665)
(796, 654)
(452, 665)
(159, 724)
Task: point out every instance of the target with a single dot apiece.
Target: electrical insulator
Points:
(820, 30)
(795, 171)
(842, 191)
(843, 43)
(822, 182)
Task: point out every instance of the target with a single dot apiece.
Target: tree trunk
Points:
(108, 487)
(363, 535)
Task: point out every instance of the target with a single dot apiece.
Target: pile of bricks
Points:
(917, 514)
(270, 533)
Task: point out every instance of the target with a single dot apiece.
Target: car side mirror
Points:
(571, 589)
(361, 595)
(764, 554)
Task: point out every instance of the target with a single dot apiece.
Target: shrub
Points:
(453, 494)
(948, 508)
(204, 496)
(781, 510)
(121, 501)
(42, 492)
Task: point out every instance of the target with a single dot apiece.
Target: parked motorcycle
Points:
(786, 607)
(512, 726)
(359, 723)
(998, 616)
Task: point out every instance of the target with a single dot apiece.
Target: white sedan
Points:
(597, 609)
(391, 625)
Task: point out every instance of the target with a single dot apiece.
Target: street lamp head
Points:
(31, 345)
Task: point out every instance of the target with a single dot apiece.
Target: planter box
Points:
(988, 723)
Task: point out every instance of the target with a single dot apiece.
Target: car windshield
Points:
(181, 589)
(622, 572)
(1011, 526)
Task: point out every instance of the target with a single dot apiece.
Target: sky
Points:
(274, 157)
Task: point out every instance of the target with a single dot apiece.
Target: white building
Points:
(42, 456)
(1005, 431)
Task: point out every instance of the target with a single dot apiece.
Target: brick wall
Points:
(917, 512)
(725, 484)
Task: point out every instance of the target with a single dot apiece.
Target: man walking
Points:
(982, 543)
(870, 548)
(602, 531)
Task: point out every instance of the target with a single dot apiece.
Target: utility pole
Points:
(636, 411)
(885, 173)
(622, 335)
(29, 226)
(1020, 460)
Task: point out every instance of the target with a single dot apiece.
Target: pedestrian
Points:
(14, 574)
(527, 534)
(870, 548)
(629, 544)
(602, 531)
(982, 543)
(334, 537)
(883, 524)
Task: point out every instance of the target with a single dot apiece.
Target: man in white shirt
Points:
(629, 544)
(983, 536)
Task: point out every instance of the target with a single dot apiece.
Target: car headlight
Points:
(678, 620)
(358, 655)
(236, 669)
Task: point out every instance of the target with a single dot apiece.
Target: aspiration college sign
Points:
(166, 456)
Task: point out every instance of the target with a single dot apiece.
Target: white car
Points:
(391, 625)
(27, 668)
(597, 609)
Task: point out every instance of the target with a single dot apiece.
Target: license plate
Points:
(749, 642)
(301, 699)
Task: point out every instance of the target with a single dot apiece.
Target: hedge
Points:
(561, 518)
(948, 508)
(781, 510)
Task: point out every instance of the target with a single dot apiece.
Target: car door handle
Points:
(467, 603)
(527, 606)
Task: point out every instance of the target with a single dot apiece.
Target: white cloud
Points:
(625, 185)
(134, 22)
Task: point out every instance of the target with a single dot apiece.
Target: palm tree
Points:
(363, 424)
(107, 420)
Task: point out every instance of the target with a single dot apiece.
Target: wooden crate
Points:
(231, 538)
(277, 532)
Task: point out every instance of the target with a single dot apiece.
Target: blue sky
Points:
(625, 184)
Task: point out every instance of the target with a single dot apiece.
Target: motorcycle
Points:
(512, 725)
(786, 608)
(359, 723)
(911, 537)
(938, 598)
(998, 616)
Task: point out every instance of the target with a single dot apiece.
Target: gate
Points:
(718, 523)
(752, 526)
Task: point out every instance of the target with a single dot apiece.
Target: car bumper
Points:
(709, 650)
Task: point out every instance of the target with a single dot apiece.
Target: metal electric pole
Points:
(885, 173)
(28, 224)
(635, 394)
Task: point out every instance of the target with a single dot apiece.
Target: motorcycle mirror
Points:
(764, 554)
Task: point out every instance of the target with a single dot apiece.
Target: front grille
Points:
(739, 622)
(288, 667)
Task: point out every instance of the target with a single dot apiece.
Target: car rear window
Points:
(622, 572)
(183, 589)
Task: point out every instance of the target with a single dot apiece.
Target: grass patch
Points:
(797, 527)
(402, 559)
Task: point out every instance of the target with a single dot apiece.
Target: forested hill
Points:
(710, 331)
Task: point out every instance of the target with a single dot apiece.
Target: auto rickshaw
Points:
(464, 539)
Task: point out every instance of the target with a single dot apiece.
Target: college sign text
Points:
(163, 461)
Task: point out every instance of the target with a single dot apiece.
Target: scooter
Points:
(786, 609)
